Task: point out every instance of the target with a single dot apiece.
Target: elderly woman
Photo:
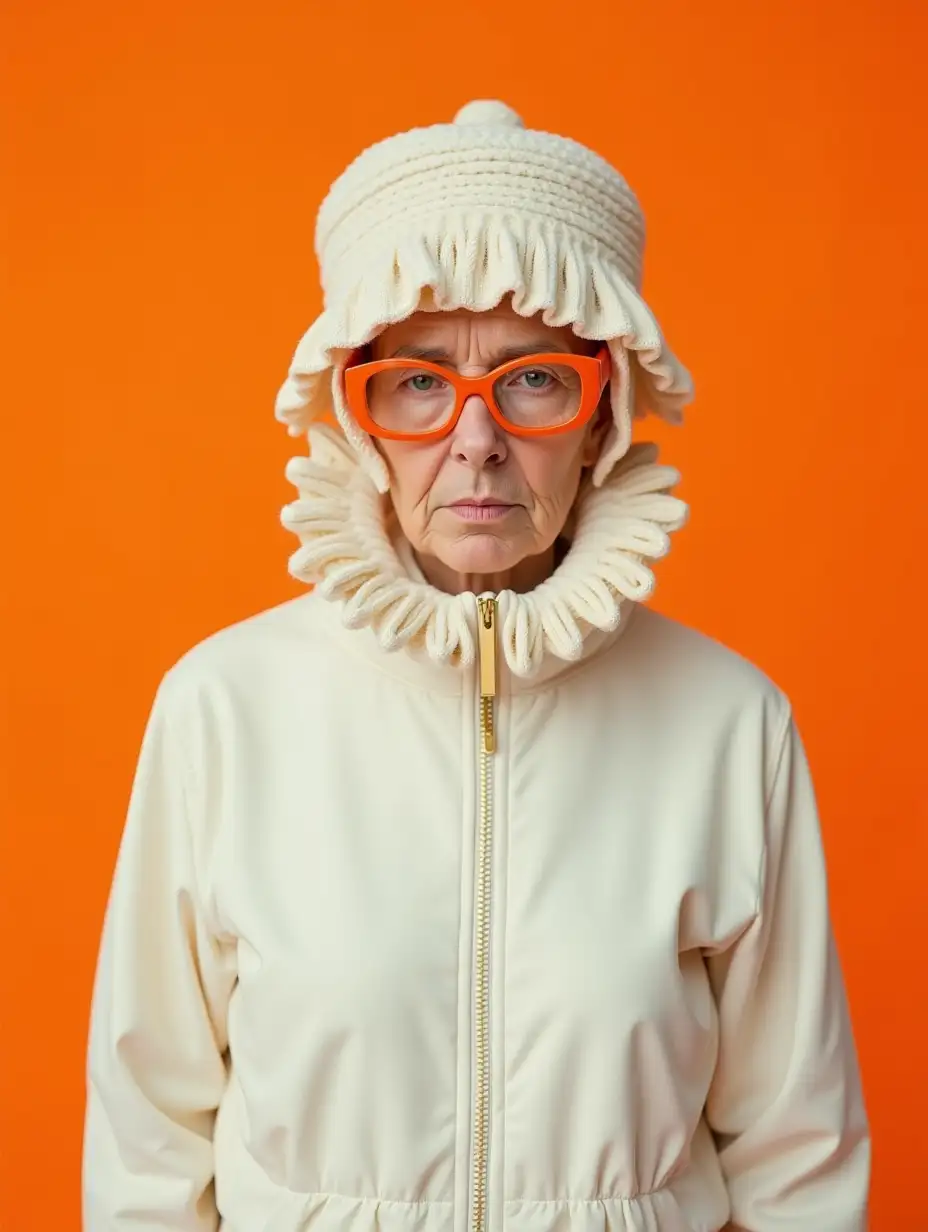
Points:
(464, 892)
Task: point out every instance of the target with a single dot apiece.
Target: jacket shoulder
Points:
(256, 651)
(698, 671)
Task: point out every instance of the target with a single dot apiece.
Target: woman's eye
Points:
(534, 378)
(422, 382)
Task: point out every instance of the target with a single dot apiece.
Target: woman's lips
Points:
(484, 511)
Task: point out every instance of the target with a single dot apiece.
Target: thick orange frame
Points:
(594, 372)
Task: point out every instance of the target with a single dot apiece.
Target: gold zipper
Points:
(486, 646)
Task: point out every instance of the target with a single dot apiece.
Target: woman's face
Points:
(527, 486)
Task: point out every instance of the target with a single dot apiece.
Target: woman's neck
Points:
(523, 577)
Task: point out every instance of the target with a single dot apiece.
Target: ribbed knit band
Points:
(459, 216)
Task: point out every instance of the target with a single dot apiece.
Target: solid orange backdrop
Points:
(163, 165)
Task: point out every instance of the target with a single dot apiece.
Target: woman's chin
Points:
(481, 552)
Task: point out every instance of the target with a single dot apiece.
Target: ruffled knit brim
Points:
(475, 263)
(347, 551)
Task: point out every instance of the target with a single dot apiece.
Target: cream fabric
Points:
(283, 1027)
(459, 216)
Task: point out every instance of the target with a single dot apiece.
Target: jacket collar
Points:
(352, 553)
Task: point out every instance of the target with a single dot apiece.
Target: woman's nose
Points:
(477, 439)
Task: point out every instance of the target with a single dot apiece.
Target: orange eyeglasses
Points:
(536, 395)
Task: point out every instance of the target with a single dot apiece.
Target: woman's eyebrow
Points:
(438, 355)
(435, 355)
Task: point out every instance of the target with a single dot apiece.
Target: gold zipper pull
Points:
(486, 646)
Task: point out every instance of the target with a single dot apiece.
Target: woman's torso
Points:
(623, 835)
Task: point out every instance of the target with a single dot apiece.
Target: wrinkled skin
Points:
(462, 550)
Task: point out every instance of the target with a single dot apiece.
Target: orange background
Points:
(162, 165)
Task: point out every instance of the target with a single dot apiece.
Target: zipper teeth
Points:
(482, 993)
(486, 641)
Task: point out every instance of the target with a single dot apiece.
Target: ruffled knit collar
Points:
(351, 553)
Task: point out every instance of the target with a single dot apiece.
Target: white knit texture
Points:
(460, 216)
(346, 550)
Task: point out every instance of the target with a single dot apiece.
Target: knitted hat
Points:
(460, 215)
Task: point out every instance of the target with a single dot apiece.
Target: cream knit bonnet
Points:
(460, 215)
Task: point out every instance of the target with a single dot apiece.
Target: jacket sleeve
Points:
(785, 1105)
(155, 1066)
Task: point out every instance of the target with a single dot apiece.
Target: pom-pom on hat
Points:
(460, 215)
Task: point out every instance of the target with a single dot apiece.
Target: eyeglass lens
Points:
(417, 400)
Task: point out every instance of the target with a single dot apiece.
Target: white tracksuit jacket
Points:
(434, 916)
